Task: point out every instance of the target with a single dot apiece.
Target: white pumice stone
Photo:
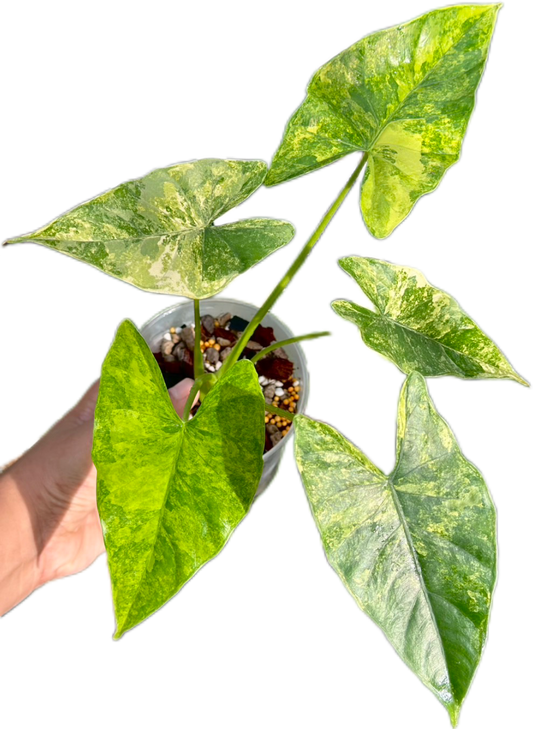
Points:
(167, 336)
(280, 391)
(262, 380)
(218, 365)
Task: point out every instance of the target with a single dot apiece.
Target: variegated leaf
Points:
(419, 327)
(404, 95)
(417, 548)
(157, 232)
(170, 493)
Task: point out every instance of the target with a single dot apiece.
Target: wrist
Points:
(20, 573)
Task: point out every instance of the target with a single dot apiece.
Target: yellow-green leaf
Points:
(157, 232)
(170, 493)
(417, 548)
(419, 327)
(404, 95)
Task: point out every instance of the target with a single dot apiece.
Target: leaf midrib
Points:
(383, 316)
(418, 568)
(166, 234)
(171, 477)
(185, 231)
(426, 336)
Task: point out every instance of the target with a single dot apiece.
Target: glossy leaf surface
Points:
(417, 548)
(404, 95)
(157, 232)
(417, 326)
(169, 493)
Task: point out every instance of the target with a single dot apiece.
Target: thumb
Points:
(179, 394)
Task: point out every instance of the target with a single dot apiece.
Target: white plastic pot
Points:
(176, 316)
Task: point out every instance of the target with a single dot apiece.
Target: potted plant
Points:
(416, 548)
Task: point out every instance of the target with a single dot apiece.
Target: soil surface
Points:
(219, 335)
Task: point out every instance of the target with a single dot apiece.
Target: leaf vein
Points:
(403, 102)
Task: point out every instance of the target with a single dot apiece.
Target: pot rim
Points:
(304, 374)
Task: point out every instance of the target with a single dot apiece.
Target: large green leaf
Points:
(169, 493)
(157, 232)
(403, 95)
(416, 549)
(419, 327)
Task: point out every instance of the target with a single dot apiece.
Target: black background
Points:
(270, 606)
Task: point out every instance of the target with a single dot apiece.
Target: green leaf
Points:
(419, 327)
(169, 493)
(416, 549)
(404, 95)
(157, 232)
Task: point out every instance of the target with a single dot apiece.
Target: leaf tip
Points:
(333, 305)
(119, 632)
(453, 711)
(127, 318)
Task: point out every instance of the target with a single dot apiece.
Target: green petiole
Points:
(198, 359)
(294, 268)
(285, 342)
(278, 411)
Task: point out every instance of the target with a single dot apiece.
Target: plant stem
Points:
(278, 411)
(300, 260)
(285, 342)
(190, 400)
(198, 358)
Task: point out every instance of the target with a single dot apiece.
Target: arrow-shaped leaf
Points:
(404, 95)
(419, 327)
(157, 232)
(416, 549)
(169, 493)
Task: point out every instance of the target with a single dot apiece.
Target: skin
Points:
(49, 525)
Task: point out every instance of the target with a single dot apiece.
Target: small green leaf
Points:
(169, 493)
(157, 232)
(404, 95)
(416, 549)
(419, 327)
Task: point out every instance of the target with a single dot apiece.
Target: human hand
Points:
(49, 524)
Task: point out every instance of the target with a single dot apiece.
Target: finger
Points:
(179, 394)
